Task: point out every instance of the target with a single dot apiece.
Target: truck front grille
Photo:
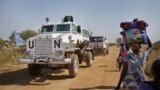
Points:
(43, 46)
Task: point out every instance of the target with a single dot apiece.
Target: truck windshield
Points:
(63, 27)
(96, 39)
(48, 28)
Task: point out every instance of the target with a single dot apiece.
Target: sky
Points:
(101, 17)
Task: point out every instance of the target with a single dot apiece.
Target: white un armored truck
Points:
(62, 45)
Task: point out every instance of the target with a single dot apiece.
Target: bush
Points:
(152, 57)
(156, 45)
(10, 56)
(1, 43)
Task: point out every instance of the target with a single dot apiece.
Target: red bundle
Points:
(136, 24)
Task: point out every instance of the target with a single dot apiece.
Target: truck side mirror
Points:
(90, 34)
(39, 30)
(79, 29)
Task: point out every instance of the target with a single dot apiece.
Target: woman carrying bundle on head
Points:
(133, 73)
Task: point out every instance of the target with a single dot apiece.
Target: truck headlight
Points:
(28, 53)
(58, 53)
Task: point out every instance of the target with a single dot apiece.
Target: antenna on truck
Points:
(47, 19)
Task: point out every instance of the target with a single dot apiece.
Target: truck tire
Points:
(104, 52)
(34, 69)
(89, 59)
(74, 66)
(107, 52)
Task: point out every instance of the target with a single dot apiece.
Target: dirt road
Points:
(103, 75)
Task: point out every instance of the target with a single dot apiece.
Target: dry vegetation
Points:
(155, 54)
(8, 58)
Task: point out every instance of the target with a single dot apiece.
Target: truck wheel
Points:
(74, 66)
(34, 69)
(104, 52)
(107, 52)
(89, 59)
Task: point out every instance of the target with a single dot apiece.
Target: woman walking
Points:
(132, 73)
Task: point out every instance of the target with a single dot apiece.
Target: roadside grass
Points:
(9, 56)
(155, 54)
(8, 59)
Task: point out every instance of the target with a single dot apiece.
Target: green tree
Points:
(156, 45)
(27, 34)
(119, 40)
(1, 42)
(24, 35)
(12, 37)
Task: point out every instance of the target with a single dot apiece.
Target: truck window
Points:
(85, 33)
(48, 28)
(96, 39)
(79, 29)
(63, 27)
(100, 39)
(74, 28)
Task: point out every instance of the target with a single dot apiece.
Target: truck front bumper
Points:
(44, 60)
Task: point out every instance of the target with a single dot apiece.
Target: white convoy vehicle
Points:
(62, 45)
(99, 44)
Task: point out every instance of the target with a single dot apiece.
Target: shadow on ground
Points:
(21, 77)
(95, 88)
(116, 70)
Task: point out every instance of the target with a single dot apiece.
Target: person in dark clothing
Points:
(153, 85)
(123, 51)
(121, 55)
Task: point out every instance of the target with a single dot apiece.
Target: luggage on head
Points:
(135, 31)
